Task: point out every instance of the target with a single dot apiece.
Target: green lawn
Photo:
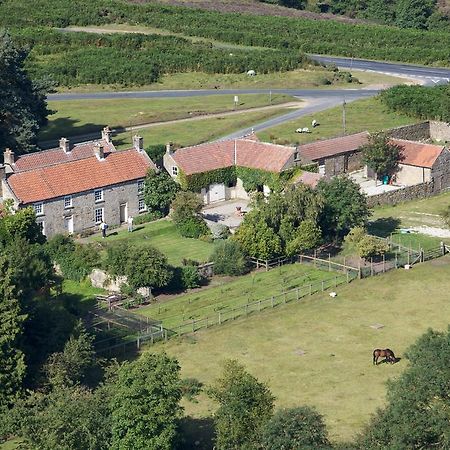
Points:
(198, 131)
(229, 294)
(335, 374)
(73, 117)
(163, 235)
(367, 114)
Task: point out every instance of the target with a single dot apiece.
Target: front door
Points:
(69, 224)
(123, 213)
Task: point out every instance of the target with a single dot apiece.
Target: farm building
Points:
(335, 156)
(74, 188)
(213, 157)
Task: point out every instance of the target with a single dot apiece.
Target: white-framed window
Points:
(38, 208)
(142, 206)
(41, 226)
(68, 201)
(174, 170)
(98, 195)
(140, 186)
(98, 215)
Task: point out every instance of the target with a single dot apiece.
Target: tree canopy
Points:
(23, 107)
(159, 191)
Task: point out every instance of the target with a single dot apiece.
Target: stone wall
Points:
(440, 131)
(440, 172)
(101, 279)
(83, 206)
(349, 162)
(417, 191)
(415, 132)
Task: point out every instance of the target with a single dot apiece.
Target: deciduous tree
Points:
(159, 191)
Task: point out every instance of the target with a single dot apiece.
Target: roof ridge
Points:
(418, 142)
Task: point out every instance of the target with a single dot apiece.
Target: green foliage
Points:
(367, 246)
(345, 206)
(147, 217)
(159, 191)
(66, 418)
(432, 103)
(145, 404)
(414, 13)
(228, 258)
(299, 428)
(197, 181)
(306, 237)
(186, 208)
(76, 261)
(245, 407)
(156, 152)
(293, 35)
(446, 216)
(73, 365)
(12, 367)
(23, 107)
(417, 413)
(190, 388)
(382, 156)
(190, 277)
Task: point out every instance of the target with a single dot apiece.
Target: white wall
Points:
(410, 175)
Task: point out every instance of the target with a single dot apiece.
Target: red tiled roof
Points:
(332, 147)
(252, 137)
(417, 153)
(309, 178)
(58, 156)
(217, 155)
(67, 178)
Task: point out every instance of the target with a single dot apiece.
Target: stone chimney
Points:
(169, 148)
(8, 160)
(64, 145)
(99, 151)
(138, 143)
(106, 134)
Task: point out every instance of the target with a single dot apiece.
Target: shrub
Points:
(229, 258)
(370, 246)
(159, 191)
(193, 227)
(221, 231)
(190, 277)
(147, 217)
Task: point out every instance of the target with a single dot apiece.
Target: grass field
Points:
(163, 235)
(198, 131)
(74, 117)
(335, 374)
(231, 293)
(367, 114)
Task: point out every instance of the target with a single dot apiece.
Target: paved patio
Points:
(225, 213)
(370, 186)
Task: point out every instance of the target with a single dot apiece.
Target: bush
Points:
(190, 277)
(193, 227)
(147, 217)
(367, 246)
(221, 231)
(228, 258)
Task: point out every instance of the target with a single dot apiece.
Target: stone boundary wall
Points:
(440, 131)
(415, 132)
(418, 191)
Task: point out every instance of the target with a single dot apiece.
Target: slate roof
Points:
(417, 153)
(239, 152)
(333, 147)
(53, 177)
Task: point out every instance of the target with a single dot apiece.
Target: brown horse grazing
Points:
(387, 353)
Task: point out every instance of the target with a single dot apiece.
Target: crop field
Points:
(163, 235)
(318, 351)
(227, 294)
(74, 117)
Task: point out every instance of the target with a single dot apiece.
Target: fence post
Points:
(152, 339)
(284, 298)
(315, 253)
(329, 262)
(301, 258)
(267, 265)
(271, 300)
(335, 280)
(359, 269)
(371, 266)
(206, 322)
(384, 263)
(322, 286)
(137, 343)
(396, 260)
(409, 256)
(346, 272)
(220, 318)
(297, 294)
(165, 335)
(310, 289)
(259, 305)
(246, 309)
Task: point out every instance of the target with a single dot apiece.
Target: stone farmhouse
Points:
(73, 188)
(246, 152)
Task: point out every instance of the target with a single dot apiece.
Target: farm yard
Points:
(318, 351)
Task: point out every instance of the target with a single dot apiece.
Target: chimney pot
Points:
(138, 143)
(8, 157)
(99, 151)
(106, 134)
(169, 148)
(64, 145)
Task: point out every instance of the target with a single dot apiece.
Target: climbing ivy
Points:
(197, 181)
